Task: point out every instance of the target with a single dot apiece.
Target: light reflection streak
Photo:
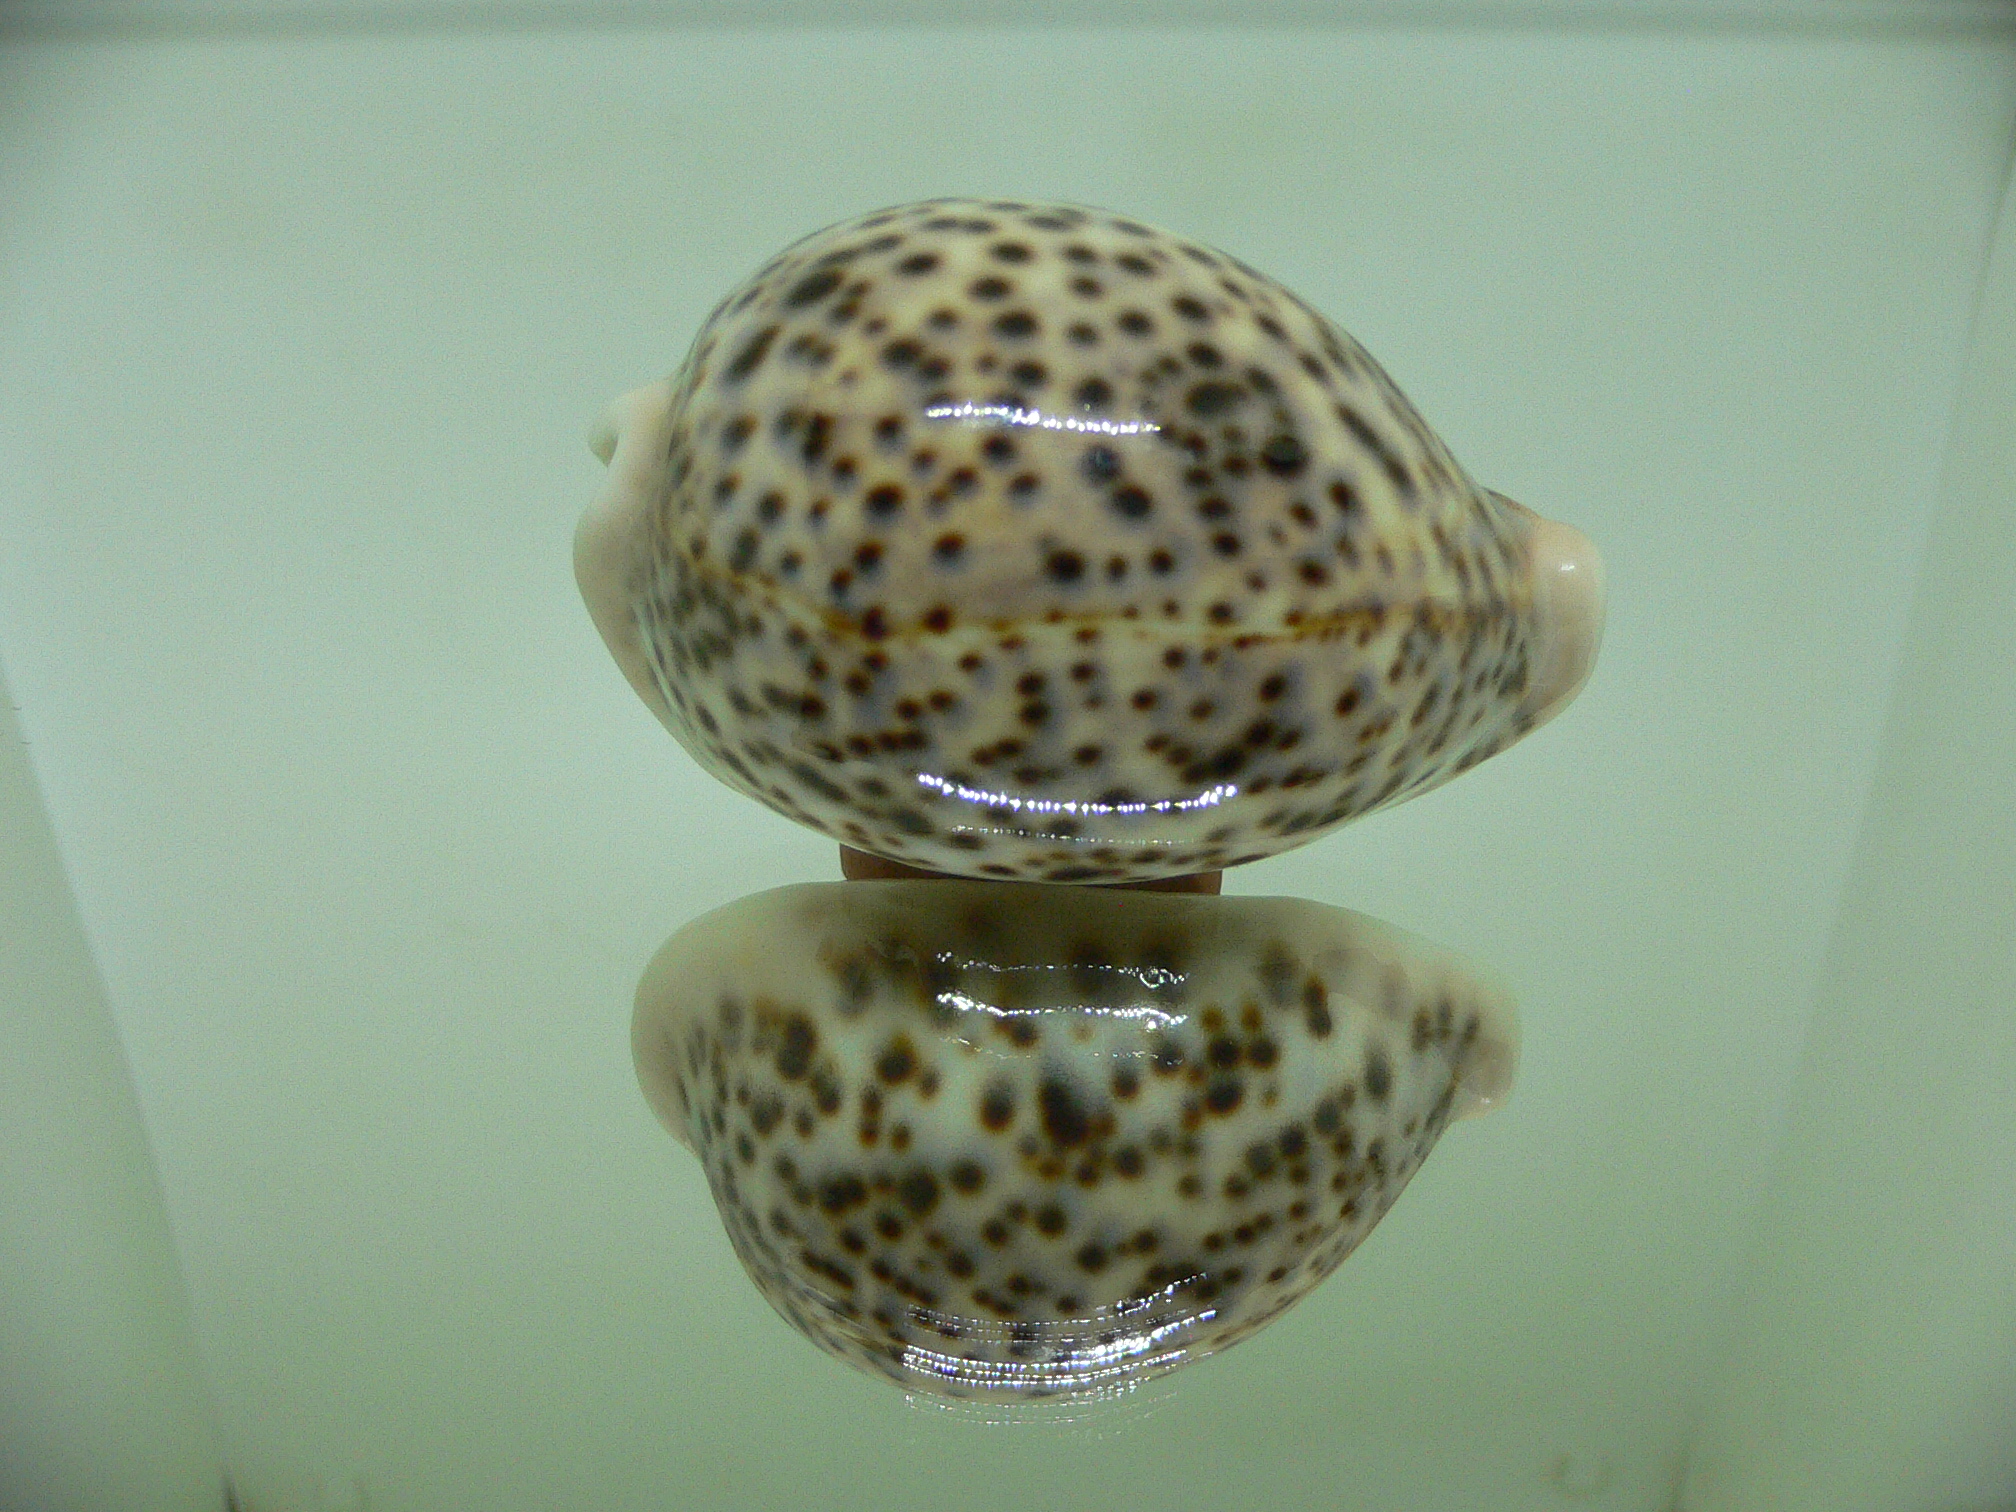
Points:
(1086, 1367)
(1150, 977)
(974, 1005)
(989, 1374)
(1015, 414)
(1024, 834)
(1209, 798)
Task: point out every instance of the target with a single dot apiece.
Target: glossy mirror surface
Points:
(369, 841)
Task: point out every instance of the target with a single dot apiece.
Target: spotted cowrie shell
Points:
(1030, 542)
(1009, 1142)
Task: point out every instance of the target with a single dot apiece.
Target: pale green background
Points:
(301, 328)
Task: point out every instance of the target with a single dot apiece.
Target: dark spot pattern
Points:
(1181, 1175)
(949, 444)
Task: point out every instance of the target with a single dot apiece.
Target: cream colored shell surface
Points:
(1005, 1141)
(1027, 541)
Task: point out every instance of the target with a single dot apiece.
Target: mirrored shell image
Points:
(1029, 542)
(1013, 1142)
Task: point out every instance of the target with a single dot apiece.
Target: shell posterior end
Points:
(1568, 607)
(1486, 1079)
(629, 439)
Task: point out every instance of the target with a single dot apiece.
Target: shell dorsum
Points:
(1027, 541)
(1009, 1142)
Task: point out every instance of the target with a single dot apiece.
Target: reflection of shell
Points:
(1007, 1142)
(1030, 542)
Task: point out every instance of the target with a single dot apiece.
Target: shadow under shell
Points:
(1013, 1142)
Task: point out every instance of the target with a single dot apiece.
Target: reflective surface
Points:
(1006, 1142)
(1028, 541)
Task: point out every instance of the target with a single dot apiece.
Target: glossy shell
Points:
(1009, 1142)
(1031, 542)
